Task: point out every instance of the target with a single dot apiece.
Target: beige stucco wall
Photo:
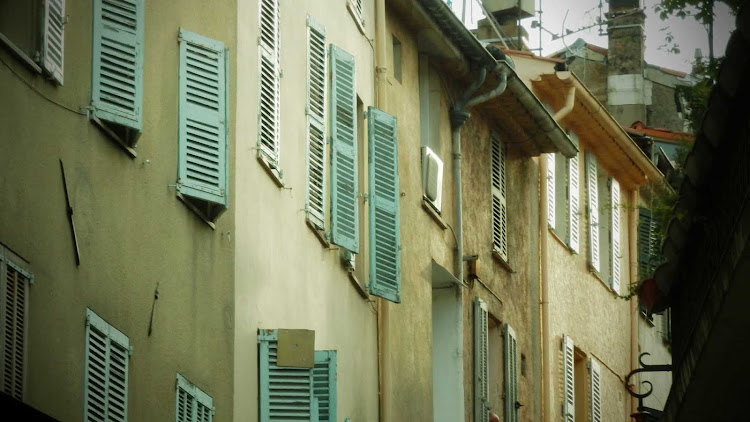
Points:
(285, 278)
(132, 231)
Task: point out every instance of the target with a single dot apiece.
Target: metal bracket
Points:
(644, 368)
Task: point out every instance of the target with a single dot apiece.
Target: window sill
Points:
(111, 134)
(503, 263)
(429, 209)
(599, 277)
(358, 286)
(320, 234)
(196, 211)
(276, 174)
(562, 242)
(360, 22)
(650, 321)
(21, 55)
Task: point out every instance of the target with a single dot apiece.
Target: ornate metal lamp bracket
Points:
(644, 368)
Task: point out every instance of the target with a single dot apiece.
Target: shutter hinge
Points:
(364, 196)
(130, 350)
(88, 319)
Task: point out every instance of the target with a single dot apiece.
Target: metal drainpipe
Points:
(543, 278)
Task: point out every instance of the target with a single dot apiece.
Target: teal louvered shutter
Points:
(616, 236)
(14, 297)
(499, 206)
(573, 204)
(568, 361)
(385, 243)
(316, 129)
(344, 191)
(551, 197)
(117, 74)
(593, 208)
(53, 39)
(286, 393)
(481, 362)
(324, 384)
(647, 242)
(511, 374)
(595, 375)
(202, 163)
(269, 104)
(192, 404)
(106, 371)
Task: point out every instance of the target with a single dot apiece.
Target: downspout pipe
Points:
(570, 99)
(544, 281)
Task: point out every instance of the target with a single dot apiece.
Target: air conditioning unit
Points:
(432, 178)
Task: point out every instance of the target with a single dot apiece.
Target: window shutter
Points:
(596, 391)
(286, 393)
(53, 39)
(499, 214)
(551, 190)
(511, 374)
(573, 201)
(593, 191)
(316, 130)
(569, 402)
(385, 245)
(481, 367)
(616, 236)
(647, 242)
(193, 405)
(666, 326)
(324, 384)
(269, 108)
(344, 211)
(107, 355)
(13, 306)
(117, 86)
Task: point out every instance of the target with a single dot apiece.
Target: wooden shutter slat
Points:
(595, 375)
(269, 108)
(511, 374)
(593, 209)
(13, 306)
(481, 367)
(616, 236)
(316, 154)
(573, 201)
(324, 384)
(551, 190)
(106, 377)
(499, 205)
(569, 403)
(53, 39)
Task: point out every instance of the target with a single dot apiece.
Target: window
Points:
(269, 109)
(648, 243)
(499, 210)
(192, 404)
(202, 169)
(429, 117)
(580, 400)
(35, 32)
(15, 280)
(563, 198)
(396, 58)
(355, 8)
(605, 235)
(316, 128)
(106, 371)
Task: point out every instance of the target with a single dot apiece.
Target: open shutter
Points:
(499, 213)
(511, 374)
(596, 390)
(53, 39)
(481, 366)
(593, 193)
(13, 308)
(286, 393)
(647, 242)
(269, 108)
(324, 384)
(344, 211)
(385, 245)
(573, 202)
(107, 355)
(616, 236)
(316, 130)
(569, 402)
(117, 85)
(551, 190)
(193, 405)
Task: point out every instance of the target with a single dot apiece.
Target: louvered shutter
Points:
(106, 377)
(324, 384)
(344, 206)
(573, 203)
(595, 375)
(385, 243)
(481, 366)
(569, 402)
(499, 213)
(202, 164)
(286, 394)
(193, 405)
(316, 130)
(616, 236)
(117, 86)
(269, 108)
(53, 38)
(593, 194)
(647, 242)
(551, 190)
(13, 308)
(666, 326)
(511, 374)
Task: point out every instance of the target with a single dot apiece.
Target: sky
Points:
(688, 34)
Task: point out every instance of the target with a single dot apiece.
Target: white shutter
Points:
(616, 236)
(511, 374)
(13, 306)
(481, 367)
(596, 391)
(551, 190)
(569, 400)
(499, 208)
(269, 108)
(53, 38)
(316, 130)
(106, 372)
(593, 191)
(573, 199)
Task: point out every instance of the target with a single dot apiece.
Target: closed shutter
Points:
(202, 164)
(511, 374)
(616, 236)
(344, 211)
(499, 213)
(106, 377)
(269, 108)
(385, 245)
(596, 390)
(593, 193)
(324, 384)
(573, 203)
(647, 242)
(316, 130)
(117, 86)
(286, 393)
(13, 308)
(193, 405)
(569, 402)
(53, 39)
(551, 190)
(481, 358)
